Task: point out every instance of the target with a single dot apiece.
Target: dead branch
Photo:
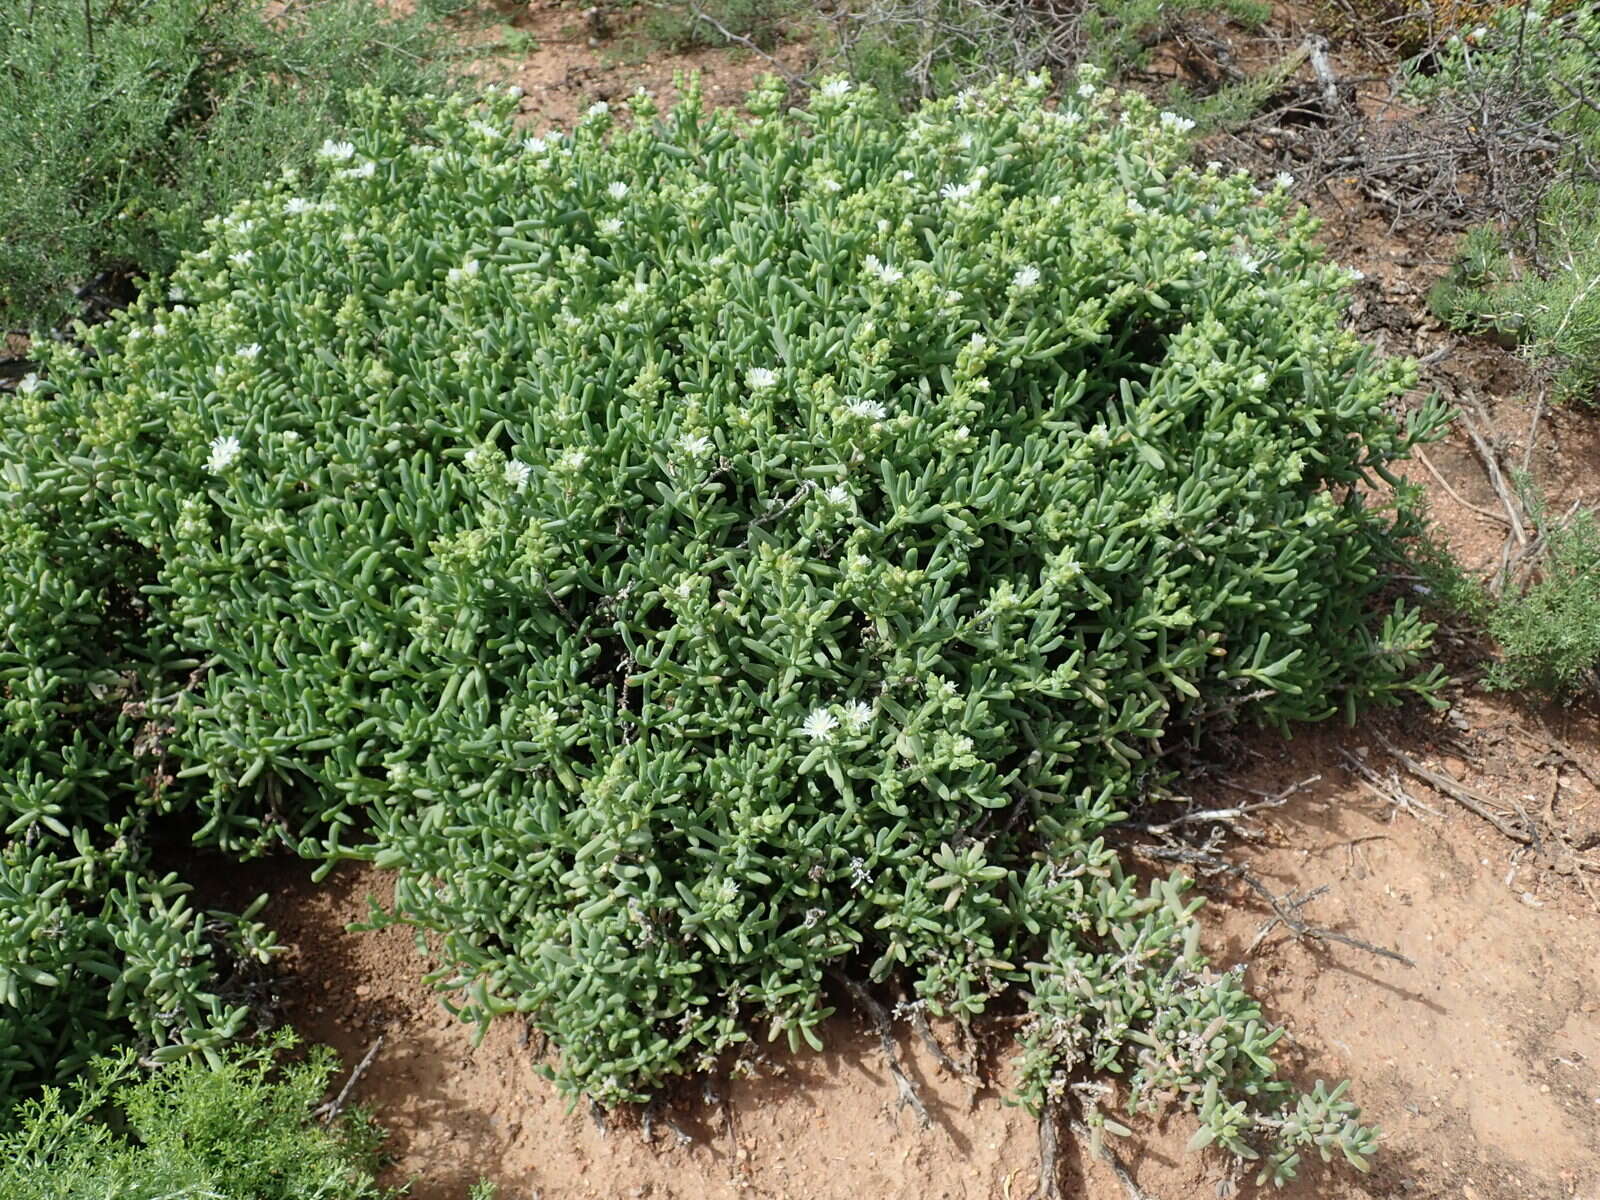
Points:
(880, 1021)
(1396, 796)
(1284, 909)
(1497, 518)
(1109, 1156)
(328, 1113)
(1470, 800)
(1049, 1155)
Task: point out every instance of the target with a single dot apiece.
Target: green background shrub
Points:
(1526, 73)
(241, 1131)
(701, 554)
(130, 122)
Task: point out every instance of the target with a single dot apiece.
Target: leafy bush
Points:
(1549, 635)
(97, 947)
(243, 1131)
(917, 49)
(1529, 76)
(141, 118)
(703, 554)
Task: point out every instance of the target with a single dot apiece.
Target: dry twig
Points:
(880, 1021)
(328, 1113)
(1446, 785)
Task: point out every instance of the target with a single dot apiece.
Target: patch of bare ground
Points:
(582, 58)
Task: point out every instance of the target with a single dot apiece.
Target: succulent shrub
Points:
(700, 553)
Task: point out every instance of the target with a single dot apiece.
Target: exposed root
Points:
(909, 1098)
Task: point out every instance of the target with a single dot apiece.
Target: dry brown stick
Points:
(1134, 1191)
(1049, 1156)
(920, 1024)
(1498, 518)
(880, 1021)
(1567, 753)
(1470, 800)
(1491, 464)
(1397, 797)
(1533, 434)
(1315, 932)
(329, 1112)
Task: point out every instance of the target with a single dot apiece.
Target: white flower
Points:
(758, 378)
(1248, 263)
(224, 450)
(484, 129)
(959, 191)
(296, 205)
(611, 226)
(1171, 120)
(535, 145)
(694, 445)
(831, 184)
(240, 224)
(1037, 79)
(1214, 164)
(882, 270)
(517, 473)
(617, 189)
(291, 437)
(1027, 277)
(365, 171)
(819, 726)
(835, 88)
(952, 297)
(158, 330)
(907, 176)
(873, 410)
(837, 495)
(573, 460)
(250, 352)
(241, 258)
(1356, 276)
(1134, 206)
(336, 150)
(462, 273)
(857, 715)
(599, 108)
(1087, 90)
(1258, 381)
(1284, 180)
(29, 383)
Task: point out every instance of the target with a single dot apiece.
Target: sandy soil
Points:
(1480, 1059)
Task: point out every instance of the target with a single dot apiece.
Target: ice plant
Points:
(683, 615)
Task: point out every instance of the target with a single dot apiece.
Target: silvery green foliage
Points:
(697, 552)
(97, 947)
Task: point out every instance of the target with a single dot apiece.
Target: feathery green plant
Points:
(129, 123)
(703, 553)
(243, 1130)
